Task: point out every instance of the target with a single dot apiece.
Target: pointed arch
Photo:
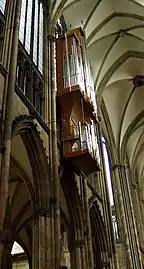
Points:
(70, 190)
(24, 126)
(100, 244)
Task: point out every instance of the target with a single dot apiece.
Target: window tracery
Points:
(30, 53)
(31, 30)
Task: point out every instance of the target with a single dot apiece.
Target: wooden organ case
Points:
(77, 99)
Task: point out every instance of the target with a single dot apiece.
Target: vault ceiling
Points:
(115, 39)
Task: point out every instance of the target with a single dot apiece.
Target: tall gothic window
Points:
(109, 182)
(2, 5)
(31, 30)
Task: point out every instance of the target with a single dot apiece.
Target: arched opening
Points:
(19, 257)
(75, 231)
(28, 187)
(99, 238)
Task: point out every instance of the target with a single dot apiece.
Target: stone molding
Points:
(119, 166)
(79, 243)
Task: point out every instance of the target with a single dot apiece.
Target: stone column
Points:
(133, 229)
(137, 214)
(87, 224)
(47, 71)
(106, 198)
(6, 246)
(5, 154)
(79, 255)
(117, 184)
(141, 203)
(8, 33)
(42, 241)
(53, 148)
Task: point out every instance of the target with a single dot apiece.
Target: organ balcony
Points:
(75, 92)
(80, 147)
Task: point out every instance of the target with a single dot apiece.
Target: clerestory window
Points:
(31, 30)
(109, 182)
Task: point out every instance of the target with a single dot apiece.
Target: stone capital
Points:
(134, 186)
(79, 243)
(43, 211)
(51, 37)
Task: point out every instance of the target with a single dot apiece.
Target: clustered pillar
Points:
(9, 62)
(89, 250)
(106, 204)
(128, 230)
(50, 119)
(42, 241)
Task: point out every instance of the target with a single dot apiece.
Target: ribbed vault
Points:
(115, 39)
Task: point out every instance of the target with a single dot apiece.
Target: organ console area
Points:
(75, 92)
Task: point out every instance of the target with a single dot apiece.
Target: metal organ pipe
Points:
(74, 63)
(67, 58)
(77, 72)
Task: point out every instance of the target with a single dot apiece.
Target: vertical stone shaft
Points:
(108, 213)
(41, 249)
(85, 225)
(78, 256)
(5, 158)
(133, 226)
(116, 179)
(137, 213)
(7, 48)
(8, 118)
(83, 256)
(47, 70)
(55, 155)
(46, 111)
(88, 224)
(8, 34)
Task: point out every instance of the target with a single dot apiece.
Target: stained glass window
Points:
(35, 47)
(28, 26)
(22, 21)
(31, 30)
(2, 5)
(40, 58)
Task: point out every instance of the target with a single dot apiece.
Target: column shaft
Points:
(106, 201)
(137, 213)
(56, 183)
(116, 179)
(133, 229)
(47, 101)
(5, 162)
(88, 224)
(42, 244)
(80, 255)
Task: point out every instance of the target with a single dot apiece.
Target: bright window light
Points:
(16, 249)
(107, 166)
